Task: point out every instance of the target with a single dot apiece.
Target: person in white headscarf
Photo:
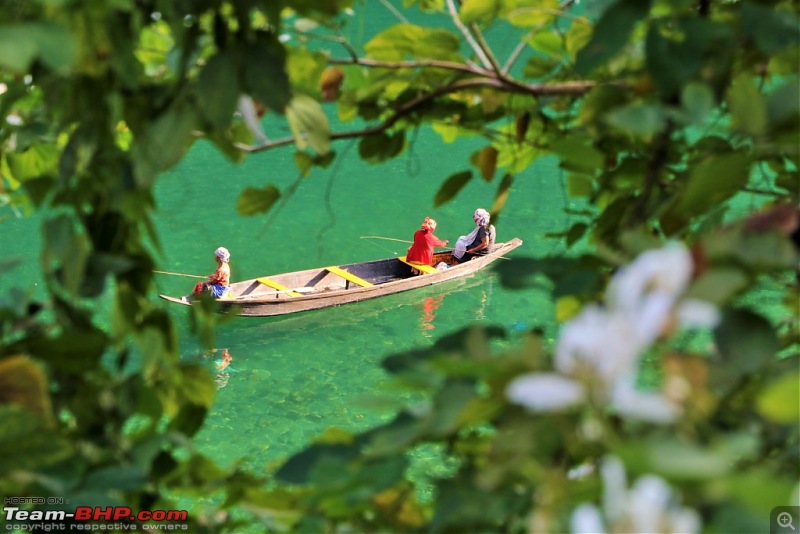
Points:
(478, 242)
(219, 282)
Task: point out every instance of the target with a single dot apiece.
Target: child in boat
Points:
(218, 282)
(424, 243)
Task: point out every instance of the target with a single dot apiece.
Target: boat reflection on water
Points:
(429, 306)
(218, 362)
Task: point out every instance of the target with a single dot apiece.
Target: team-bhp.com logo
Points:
(112, 518)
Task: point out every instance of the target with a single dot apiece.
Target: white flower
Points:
(666, 271)
(627, 401)
(598, 352)
(597, 341)
(646, 291)
(649, 506)
(544, 392)
(586, 519)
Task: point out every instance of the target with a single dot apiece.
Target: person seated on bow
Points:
(424, 243)
(219, 282)
(480, 241)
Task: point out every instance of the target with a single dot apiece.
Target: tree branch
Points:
(435, 63)
(568, 88)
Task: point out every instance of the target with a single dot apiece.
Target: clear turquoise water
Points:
(292, 377)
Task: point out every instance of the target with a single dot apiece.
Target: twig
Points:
(395, 65)
(486, 50)
(513, 57)
(394, 11)
(467, 35)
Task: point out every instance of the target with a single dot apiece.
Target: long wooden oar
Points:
(385, 238)
(182, 274)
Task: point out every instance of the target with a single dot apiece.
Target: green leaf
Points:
(579, 185)
(218, 91)
(56, 46)
(117, 477)
(611, 34)
(305, 69)
(639, 119)
(21, 44)
(549, 44)
(486, 162)
(501, 196)
(381, 147)
(479, 11)
(718, 285)
(23, 383)
(783, 105)
(697, 101)
(253, 201)
(779, 402)
(298, 469)
(772, 30)
(712, 181)
(38, 160)
(164, 143)
(746, 341)
(577, 153)
(538, 67)
(309, 124)
(26, 444)
(530, 13)
(747, 106)
(448, 407)
(404, 41)
(197, 386)
(263, 73)
(451, 187)
(675, 57)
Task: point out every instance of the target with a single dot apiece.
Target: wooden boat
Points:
(325, 287)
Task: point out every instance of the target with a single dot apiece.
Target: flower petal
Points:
(586, 519)
(545, 392)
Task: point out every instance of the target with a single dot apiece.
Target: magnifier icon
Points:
(785, 520)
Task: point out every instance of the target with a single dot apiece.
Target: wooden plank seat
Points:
(350, 277)
(424, 267)
(278, 286)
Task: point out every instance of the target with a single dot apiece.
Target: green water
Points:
(292, 377)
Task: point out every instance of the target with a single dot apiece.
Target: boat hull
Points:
(323, 288)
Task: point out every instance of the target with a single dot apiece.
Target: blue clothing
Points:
(218, 290)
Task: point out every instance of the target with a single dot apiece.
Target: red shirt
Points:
(422, 249)
(221, 276)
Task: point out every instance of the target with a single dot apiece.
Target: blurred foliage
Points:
(660, 113)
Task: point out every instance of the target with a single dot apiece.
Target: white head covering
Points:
(481, 217)
(223, 254)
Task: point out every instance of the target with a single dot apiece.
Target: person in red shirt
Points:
(424, 243)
